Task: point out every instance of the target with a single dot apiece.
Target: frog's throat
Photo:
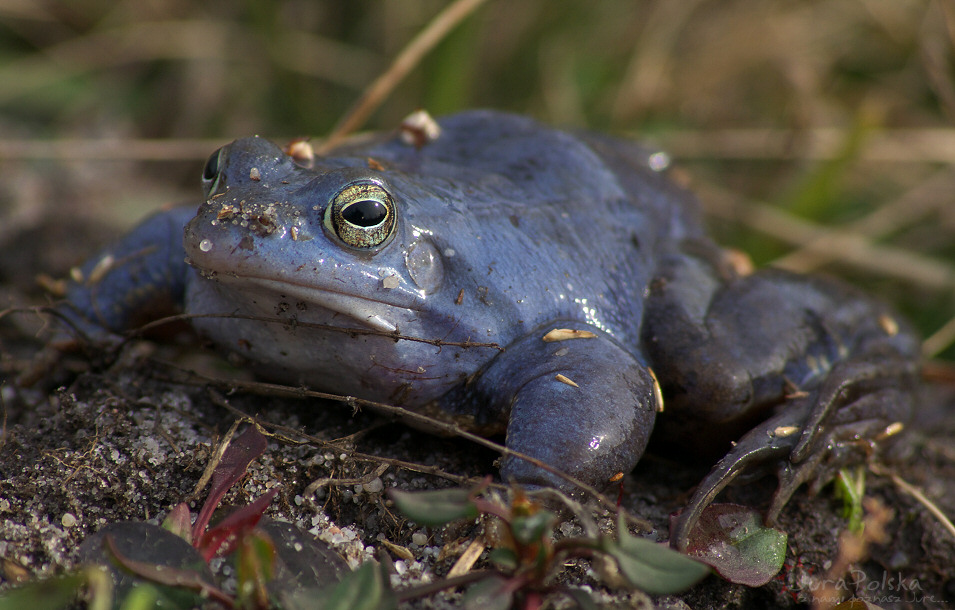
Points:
(374, 314)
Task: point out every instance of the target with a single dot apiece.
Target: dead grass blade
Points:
(409, 57)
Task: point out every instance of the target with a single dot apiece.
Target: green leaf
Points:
(850, 486)
(505, 559)
(821, 189)
(142, 597)
(254, 562)
(531, 529)
(584, 600)
(133, 552)
(492, 593)
(765, 547)
(50, 594)
(179, 522)
(99, 588)
(367, 588)
(435, 508)
(652, 567)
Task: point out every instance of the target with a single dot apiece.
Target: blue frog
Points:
(591, 270)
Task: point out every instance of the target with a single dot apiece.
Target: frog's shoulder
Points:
(643, 173)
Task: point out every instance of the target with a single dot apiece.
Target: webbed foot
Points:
(813, 436)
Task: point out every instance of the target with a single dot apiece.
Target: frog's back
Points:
(546, 165)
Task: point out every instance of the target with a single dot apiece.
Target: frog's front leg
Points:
(141, 274)
(585, 406)
(826, 369)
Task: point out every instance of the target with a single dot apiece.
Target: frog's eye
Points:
(211, 177)
(362, 215)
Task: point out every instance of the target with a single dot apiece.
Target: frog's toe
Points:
(850, 437)
(856, 391)
(71, 331)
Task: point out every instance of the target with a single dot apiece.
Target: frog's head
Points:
(345, 243)
(319, 235)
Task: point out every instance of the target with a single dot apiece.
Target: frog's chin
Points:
(372, 314)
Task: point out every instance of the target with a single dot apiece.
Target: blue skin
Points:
(500, 231)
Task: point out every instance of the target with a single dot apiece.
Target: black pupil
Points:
(212, 167)
(365, 213)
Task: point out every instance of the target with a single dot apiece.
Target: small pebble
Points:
(374, 486)
(68, 520)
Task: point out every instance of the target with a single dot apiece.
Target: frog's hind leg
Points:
(825, 368)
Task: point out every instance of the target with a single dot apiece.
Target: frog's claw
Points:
(811, 438)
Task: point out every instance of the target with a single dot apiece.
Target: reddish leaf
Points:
(178, 521)
(222, 538)
(732, 539)
(494, 593)
(235, 461)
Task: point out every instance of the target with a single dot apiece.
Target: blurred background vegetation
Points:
(799, 122)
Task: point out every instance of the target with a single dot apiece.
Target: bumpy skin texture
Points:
(500, 231)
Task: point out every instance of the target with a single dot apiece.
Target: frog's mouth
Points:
(370, 313)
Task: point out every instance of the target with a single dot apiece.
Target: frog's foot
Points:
(855, 416)
(577, 401)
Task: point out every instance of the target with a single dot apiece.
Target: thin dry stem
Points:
(939, 340)
(846, 247)
(930, 145)
(395, 335)
(410, 56)
(926, 197)
(272, 389)
(922, 499)
(108, 149)
(214, 462)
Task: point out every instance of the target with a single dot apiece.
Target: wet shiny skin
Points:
(500, 231)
